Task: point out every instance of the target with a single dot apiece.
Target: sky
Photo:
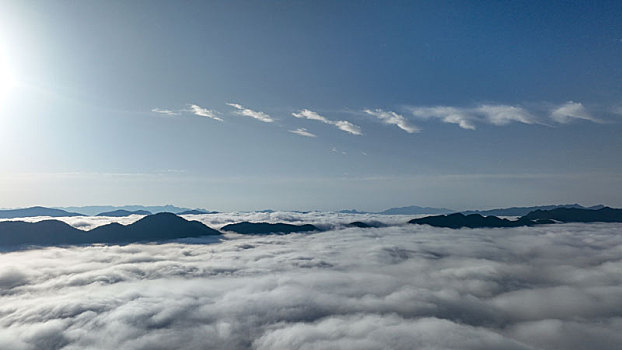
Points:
(244, 105)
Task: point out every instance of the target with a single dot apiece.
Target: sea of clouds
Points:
(397, 287)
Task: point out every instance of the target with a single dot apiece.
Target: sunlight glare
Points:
(7, 77)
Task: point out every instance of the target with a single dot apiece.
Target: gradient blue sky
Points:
(241, 105)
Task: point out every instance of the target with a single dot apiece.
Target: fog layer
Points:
(404, 287)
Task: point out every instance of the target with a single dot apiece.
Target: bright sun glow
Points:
(7, 76)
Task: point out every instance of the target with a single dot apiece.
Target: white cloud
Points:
(302, 132)
(503, 115)
(241, 110)
(467, 118)
(570, 111)
(545, 287)
(204, 112)
(340, 124)
(165, 111)
(393, 118)
(447, 114)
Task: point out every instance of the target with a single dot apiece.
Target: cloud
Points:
(504, 115)
(165, 111)
(204, 112)
(393, 118)
(500, 115)
(302, 132)
(400, 287)
(570, 111)
(447, 114)
(340, 124)
(467, 118)
(240, 110)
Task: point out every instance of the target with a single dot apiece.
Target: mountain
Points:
(157, 227)
(196, 212)
(415, 210)
(262, 228)
(95, 209)
(35, 211)
(605, 214)
(458, 220)
(352, 211)
(121, 213)
(361, 224)
(537, 217)
(520, 211)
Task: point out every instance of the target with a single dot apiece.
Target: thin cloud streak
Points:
(500, 115)
(302, 132)
(392, 118)
(241, 110)
(342, 125)
(165, 111)
(204, 112)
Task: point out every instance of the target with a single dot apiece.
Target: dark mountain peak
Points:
(458, 220)
(158, 227)
(196, 212)
(604, 214)
(361, 224)
(536, 217)
(259, 228)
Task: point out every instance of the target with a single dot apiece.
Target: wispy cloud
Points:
(343, 125)
(570, 111)
(241, 110)
(302, 132)
(467, 118)
(389, 117)
(165, 111)
(503, 115)
(204, 112)
(447, 114)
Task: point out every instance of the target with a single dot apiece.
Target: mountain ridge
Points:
(161, 226)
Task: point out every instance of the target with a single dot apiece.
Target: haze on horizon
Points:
(239, 105)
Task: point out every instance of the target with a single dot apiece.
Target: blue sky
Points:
(310, 104)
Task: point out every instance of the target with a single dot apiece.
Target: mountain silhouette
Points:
(96, 209)
(122, 212)
(537, 217)
(196, 212)
(458, 220)
(263, 228)
(415, 210)
(520, 211)
(157, 227)
(35, 211)
(605, 214)
(361, 224)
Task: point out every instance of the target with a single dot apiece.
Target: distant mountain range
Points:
(35, 211)
(409, 210)
(121, 213)
(157, 227)
(513, 211)
(520, 211)
(536, 217)
(196, 212)
(92, 210)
